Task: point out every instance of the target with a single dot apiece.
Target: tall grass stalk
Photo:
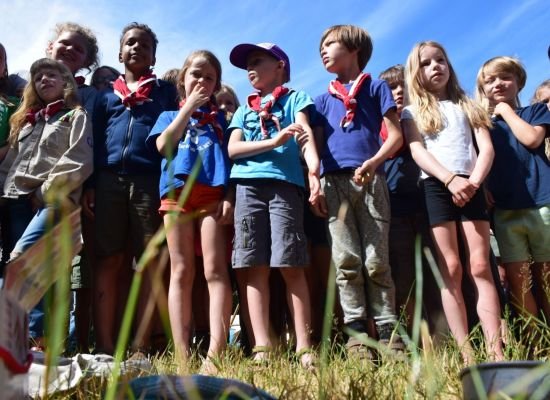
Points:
(151, 251)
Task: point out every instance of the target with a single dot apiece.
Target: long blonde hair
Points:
(428, 116)
(31, 100)
(499, 65)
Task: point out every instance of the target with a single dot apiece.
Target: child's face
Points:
(264, 71)
(434, 70)
(500, 87)
(49, 85)
(335, 56)
(137, 51)
(70, 49)
(543, 95)
(201, 73)
(397, 91)
(226, 102)
(103, 78)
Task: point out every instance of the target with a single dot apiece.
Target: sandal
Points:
(261, 355)
(307, 357)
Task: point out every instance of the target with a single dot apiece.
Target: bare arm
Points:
(307, 144)
(528, 135)
(389, 147)
(239, 148)
(485, 157)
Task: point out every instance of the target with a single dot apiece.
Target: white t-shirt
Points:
(453, 146)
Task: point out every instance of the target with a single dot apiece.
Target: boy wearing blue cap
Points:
(267, 135)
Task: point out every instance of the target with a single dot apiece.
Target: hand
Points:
(285, 134)
(198, 97)
(36, 203)
(314, 188)
(302, 138)
(320, 208)
(224, 214)
(501, 109)
(365, 173)
(462, 190)
(88, 203)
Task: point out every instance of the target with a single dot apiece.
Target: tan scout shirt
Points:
(53, 154)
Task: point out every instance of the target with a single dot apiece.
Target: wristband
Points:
(450, 179)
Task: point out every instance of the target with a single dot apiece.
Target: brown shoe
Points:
(356, 347)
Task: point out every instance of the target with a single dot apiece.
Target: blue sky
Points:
(471, 31)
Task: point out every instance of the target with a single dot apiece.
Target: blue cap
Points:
(240, 53)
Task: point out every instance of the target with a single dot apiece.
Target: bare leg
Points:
(476, 234)
(257, 290)
(105, 300)
(217, 278)
(299, 304)
(541, 272)
(520, 280)
(182, 272)
(446, 243)
(241, 275)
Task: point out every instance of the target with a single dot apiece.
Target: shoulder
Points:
(535, 112)
(322, 99)
(300, 99)
(408, 112)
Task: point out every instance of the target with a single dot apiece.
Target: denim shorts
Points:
(269, 224)
(440, 206)
(523, 233)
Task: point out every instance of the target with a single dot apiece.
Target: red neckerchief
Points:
(254, 102)
(338, 90)
(141, 94)
(79, 80)
(210, 117)
(33, 115)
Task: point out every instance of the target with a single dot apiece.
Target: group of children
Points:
(382, 160)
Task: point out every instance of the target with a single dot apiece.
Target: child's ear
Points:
(153, 62)
(120, 57)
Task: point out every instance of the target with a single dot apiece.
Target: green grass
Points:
(427, 371)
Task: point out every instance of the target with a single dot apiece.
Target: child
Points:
(51, 141)
(269, 201)
(437, 126)
(103, 77)
(75, 46)
(193, 134)
(355, 192)
(227, 101)
(519, 182)
(542, 95)
(408, 217)
(125, 202)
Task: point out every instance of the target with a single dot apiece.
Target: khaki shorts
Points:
(523, 233)
(126, 208)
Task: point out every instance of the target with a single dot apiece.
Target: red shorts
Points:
(202, 200)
